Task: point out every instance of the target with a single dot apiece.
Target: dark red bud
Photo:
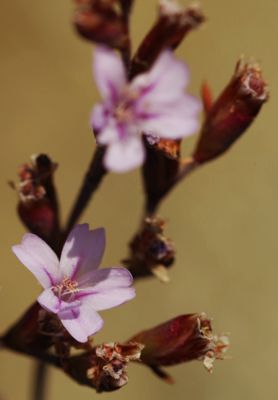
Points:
(171, 27)
(38, 206)
(185, 338)
(160, 169)
(151, 252)
(232, 113)
(103, 22)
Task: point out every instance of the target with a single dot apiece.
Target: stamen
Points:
(66, 287)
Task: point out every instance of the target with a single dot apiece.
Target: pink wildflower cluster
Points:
(144, 114)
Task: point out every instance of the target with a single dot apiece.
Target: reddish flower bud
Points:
(160, 169)
(172, 25)
(38, 207)
(38, 330)
(185, 338)
(103, 21)
(151, 252)
(105, 367)
(232, 113)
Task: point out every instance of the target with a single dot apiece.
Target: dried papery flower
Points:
(153, 103)
(172, 25)
(171, 148)
(232, 113)
(151, 252)
(74, 288)
(105, 367)
(184, 338)
(38, 206)
(103, 21)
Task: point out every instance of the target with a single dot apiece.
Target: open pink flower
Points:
(74, 288)
(153, 103)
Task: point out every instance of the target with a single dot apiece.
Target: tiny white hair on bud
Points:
(169, 7)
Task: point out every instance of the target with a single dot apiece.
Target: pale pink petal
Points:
(98, 117)
(39, 258)
(82, 251)
(109, 134)
(81, 322)
(165, 81)
(171, 128)
(124, 155)
(175, 120)
(109, 73)
(49, 301)
(106, 279)
(103, 300)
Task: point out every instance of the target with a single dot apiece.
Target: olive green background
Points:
(223, 218)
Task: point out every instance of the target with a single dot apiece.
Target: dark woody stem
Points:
(91, 182)
(126, 7)
(153, 202)
(40, 380)
(126, 50)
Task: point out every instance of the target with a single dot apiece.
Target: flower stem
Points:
(92, 179)
(40, 381)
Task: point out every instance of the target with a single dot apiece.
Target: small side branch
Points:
(93, 178)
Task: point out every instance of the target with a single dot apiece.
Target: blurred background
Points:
(223, 219)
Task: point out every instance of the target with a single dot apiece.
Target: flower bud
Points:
(185, 338)
(232, 113)
(103, 21)
(160, 169)
(38, 207)
(151, 252)
(105, 367)
(172, 25)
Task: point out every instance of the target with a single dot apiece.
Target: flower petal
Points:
(49, 301)
(165, 81)
(109, 133)
(106, 279)
(82, 251)
(109, 73)
(81, 322)
(107, 288)
(124, 155)
(98, 117)
(104, 300)
(175, 120)
(39, 258)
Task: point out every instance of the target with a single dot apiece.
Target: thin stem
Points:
(126, 50)
(40, 381)
(92, 179)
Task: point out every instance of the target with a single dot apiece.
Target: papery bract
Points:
(73, 288)
(153, 103)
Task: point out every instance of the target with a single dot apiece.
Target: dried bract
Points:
(105, 366)
(110, 369)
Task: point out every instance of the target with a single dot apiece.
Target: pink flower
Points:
(74, 288)
(153, 103)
